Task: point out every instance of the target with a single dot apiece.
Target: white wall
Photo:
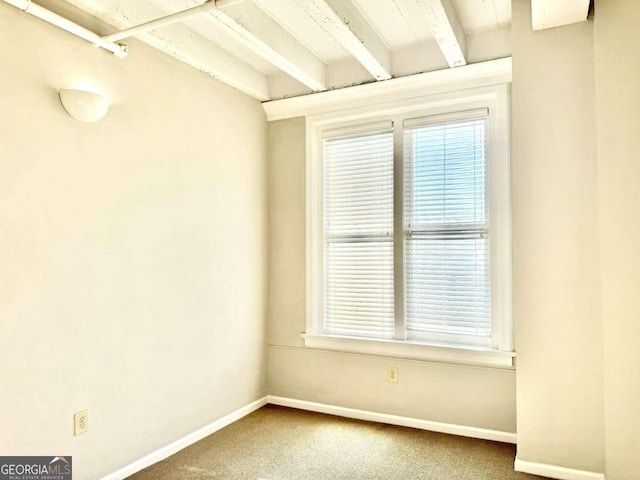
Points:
(558, 329)
(617, 28)
(472, 396)
(133, 257)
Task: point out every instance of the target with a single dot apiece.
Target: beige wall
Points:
(618, 113)
(134, 262)
(576, 264)
(558, 331)
(133, 253)
(472, 396)
(559, 301)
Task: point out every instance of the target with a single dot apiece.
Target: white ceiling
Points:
(273, 49)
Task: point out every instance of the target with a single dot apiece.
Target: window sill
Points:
(412, 350)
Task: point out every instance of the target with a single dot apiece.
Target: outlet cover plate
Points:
(81, 422)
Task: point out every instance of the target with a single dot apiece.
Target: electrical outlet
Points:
(392, 374)
(81, 422)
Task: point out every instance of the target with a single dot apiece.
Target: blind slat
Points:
(447, 276)
(446, 230)
(358, 222)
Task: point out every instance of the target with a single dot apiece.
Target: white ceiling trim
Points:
(446, 29)
(352, 31)
(470, 76)
(552, 13)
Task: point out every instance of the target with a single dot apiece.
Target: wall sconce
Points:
(84, 106)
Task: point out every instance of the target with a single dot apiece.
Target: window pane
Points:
(358, 235)
(447, 266)
(445, 174)
(448, 285)
(358, 185)
(359, 288)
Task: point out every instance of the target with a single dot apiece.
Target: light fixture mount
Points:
(84, 106)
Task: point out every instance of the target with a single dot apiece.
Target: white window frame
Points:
(495, 98)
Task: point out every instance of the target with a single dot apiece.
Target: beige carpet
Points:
(277, 443)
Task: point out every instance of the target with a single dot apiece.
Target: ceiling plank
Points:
(488, 45)
(446, 28)
(247, 24)
(251, 27)
(551, 13)
(183, 44)
(503, 12)
(210, 59)
(351, 30)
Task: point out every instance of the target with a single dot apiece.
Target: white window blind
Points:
(446, 230)
(358, 232)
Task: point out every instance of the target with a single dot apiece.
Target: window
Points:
(408, 226)
(358, 233)
(446, 230)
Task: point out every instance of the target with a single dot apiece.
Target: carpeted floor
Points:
(277, 443)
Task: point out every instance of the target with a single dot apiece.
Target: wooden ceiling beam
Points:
(182, 43)
(353, 32)
(446, 28)
(211, 59)
(250, 26)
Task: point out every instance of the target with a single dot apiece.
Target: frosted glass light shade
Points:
(84, 106)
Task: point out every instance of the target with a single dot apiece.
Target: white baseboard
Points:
(168, 450)
(452, 429)
(553, 471)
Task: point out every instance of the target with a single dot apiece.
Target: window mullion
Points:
(400, 331)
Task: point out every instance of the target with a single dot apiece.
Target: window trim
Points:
(411, 350)
(496, 99)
